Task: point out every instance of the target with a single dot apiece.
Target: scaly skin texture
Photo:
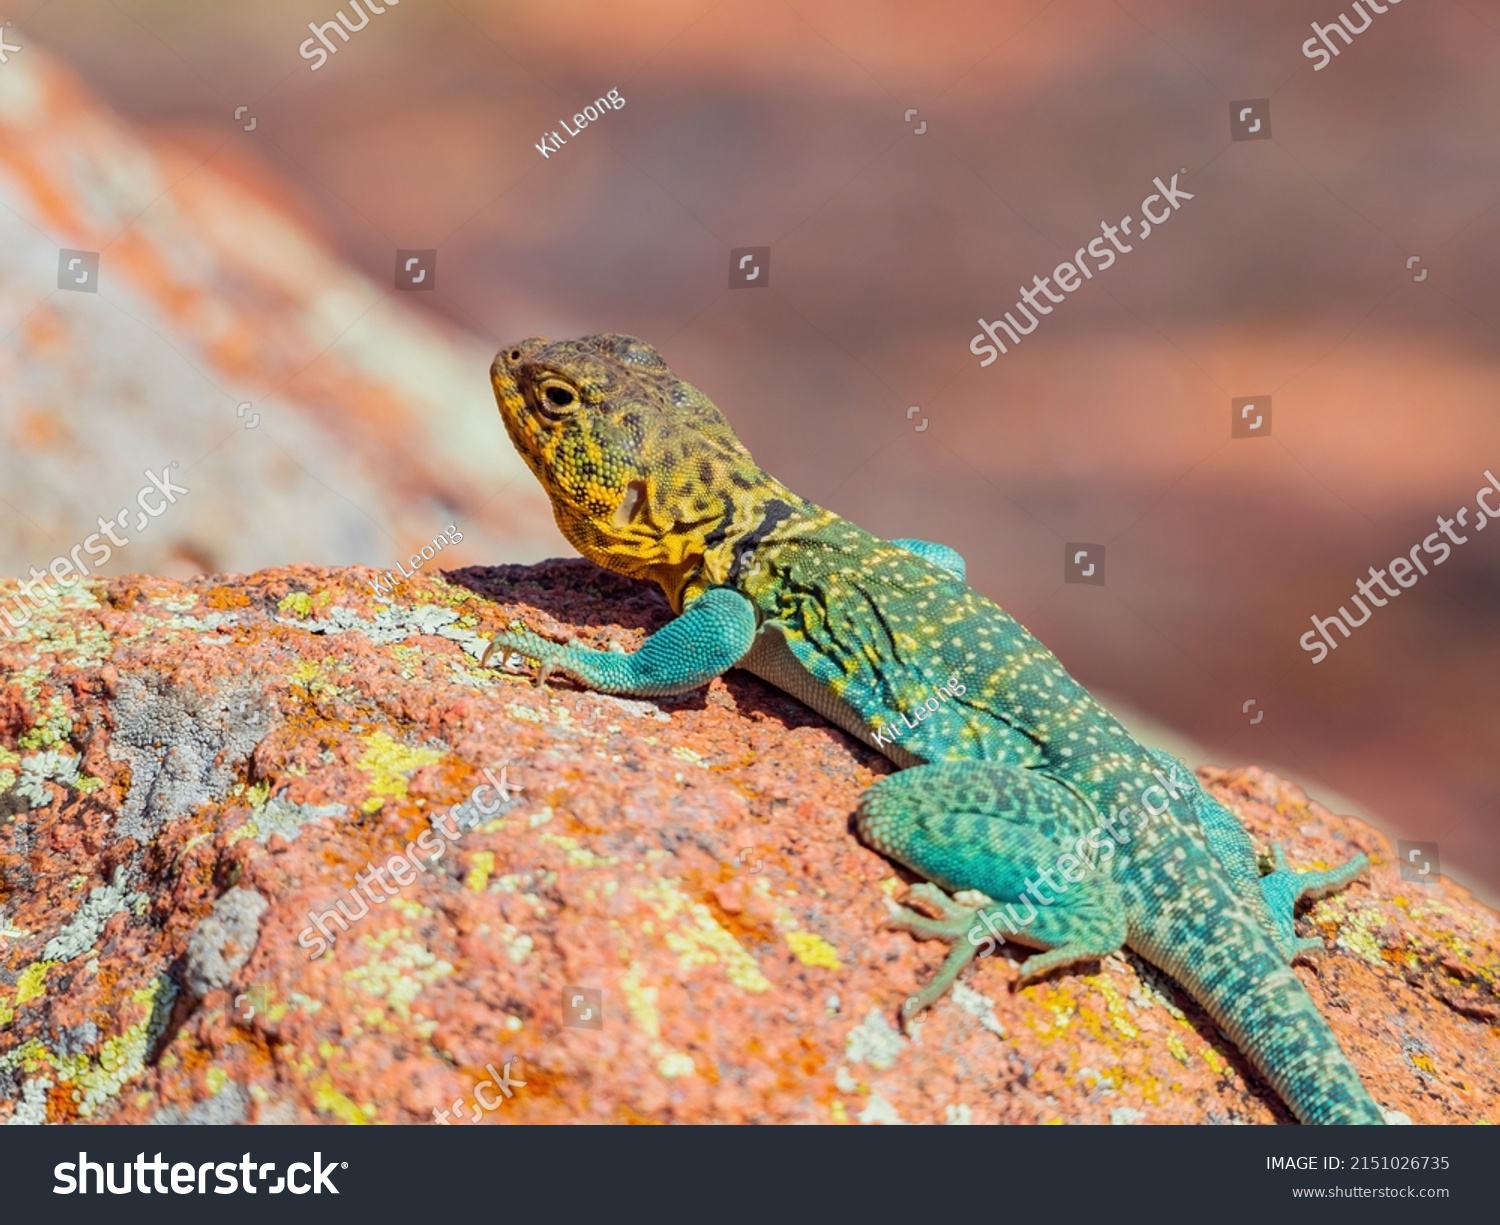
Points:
(1015, 784)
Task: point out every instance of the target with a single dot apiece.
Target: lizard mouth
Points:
(631, 505)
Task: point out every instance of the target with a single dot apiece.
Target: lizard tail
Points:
(1263, 1008)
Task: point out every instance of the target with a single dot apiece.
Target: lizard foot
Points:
(954, 926)
(522, 642)
(1283, 888)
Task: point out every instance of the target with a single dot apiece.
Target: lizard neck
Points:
(753, 514)
(687, 535)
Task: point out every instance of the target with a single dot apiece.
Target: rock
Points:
(274, 849)
(303, 405)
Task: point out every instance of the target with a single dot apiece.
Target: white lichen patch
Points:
(207, 624)
(38, 769)
(395, 623)
(31, 1110)
(633, 707)
(873, 1041)
(979, 1006)
(398, 970)
(277, 816)
(878, 1110)
(101, 905)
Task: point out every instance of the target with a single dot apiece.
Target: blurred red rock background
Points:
(257, 265)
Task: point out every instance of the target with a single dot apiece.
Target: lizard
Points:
(1010, 774)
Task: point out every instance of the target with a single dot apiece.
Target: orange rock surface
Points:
(190, 772)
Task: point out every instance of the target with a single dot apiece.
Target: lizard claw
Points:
(516, 642)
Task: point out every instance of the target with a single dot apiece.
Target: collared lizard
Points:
(1016, 776)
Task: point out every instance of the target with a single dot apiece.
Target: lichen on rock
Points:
(185, 791)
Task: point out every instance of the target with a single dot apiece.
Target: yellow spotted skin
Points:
(1014, 782)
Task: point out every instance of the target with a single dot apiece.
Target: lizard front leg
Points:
(712, 635)
(950, 560)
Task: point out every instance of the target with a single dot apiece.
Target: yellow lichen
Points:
(813, 950)
(388, 762)
(641, 1001)
(481, 865)
(1357, 926)
(396, 972)
(675, 1064)
(1115, 1004)
(31, 983)
(698, 940)
(579, 856)
(298, 603)
(328, 1100)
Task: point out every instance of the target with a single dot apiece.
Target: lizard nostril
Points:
(515, 355)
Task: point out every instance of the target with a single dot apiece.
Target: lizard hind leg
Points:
(1011, 834)
(1283, 888)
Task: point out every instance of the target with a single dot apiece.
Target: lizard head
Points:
(644, 474)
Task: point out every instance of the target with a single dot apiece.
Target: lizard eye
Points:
(558, 399)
